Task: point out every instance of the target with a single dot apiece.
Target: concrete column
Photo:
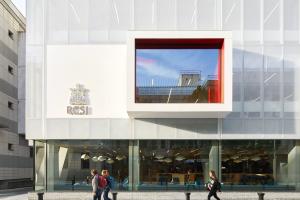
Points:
(283, 173)
(214, 158)
(62, 155)
(294, 166)
(40, 167)
(134, 165)
(52, 166)
(205, 171)
(275, 167)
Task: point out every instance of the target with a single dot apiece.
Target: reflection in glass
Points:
(178, 76)
(286, 165)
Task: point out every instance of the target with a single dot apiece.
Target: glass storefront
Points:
(247, 163)
(168, 164)
(176, 164)
(69, 162)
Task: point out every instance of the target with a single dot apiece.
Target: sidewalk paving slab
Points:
(169, 196)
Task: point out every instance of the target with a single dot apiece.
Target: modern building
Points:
(159, 92)
(16, 161)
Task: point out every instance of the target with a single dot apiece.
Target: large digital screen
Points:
(178, 71)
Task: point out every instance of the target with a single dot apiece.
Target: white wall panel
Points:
(99, 17)
(100, 68)
(252, 21)
(121, 13)
(166, 14)
(272, 21)
(232, 18)
(207, 15)
(78, 21)
(145, 14)
(35, 27)
(187, 12)
(291, 20)
(57, 21)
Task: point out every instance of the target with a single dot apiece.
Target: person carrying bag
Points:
(213, 185)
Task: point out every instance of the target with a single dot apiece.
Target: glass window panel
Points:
(237, 58)
(253, 65)
(291, 70)
(70, 163)
(232, 125)
(273, 126)
(236, 93)
(178, 164)
(246, 163)
(272, 81)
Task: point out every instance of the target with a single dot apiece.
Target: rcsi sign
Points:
(79, 101)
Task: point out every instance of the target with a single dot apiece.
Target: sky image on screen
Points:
(162, 67)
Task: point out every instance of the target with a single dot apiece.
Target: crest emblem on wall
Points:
(79, 101)
(79, 95)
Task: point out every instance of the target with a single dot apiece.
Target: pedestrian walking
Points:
(95, 185)
(213, 185)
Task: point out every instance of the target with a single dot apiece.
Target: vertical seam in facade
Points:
(43, 117)
(262, 93)
(132, 24)
(242, 21)
(261, 22)
(281, 15)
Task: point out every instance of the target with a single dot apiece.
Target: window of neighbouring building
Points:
(10, 147)
(10, 105)
(10, 34)
(10, 70)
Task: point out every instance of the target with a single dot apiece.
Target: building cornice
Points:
(13, 10)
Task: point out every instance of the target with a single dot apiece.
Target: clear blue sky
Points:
(21, 5)
(164, 65)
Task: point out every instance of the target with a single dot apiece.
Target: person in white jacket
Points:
(95, 185)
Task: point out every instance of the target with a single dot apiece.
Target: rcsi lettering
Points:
(78, 110)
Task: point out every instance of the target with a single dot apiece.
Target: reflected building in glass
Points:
(175, 89)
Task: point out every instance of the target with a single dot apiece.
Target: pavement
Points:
(28, 194)
(15, 194)
(169, 196)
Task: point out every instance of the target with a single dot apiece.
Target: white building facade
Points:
(95, 98)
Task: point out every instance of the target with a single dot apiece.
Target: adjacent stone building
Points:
(15, 154)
